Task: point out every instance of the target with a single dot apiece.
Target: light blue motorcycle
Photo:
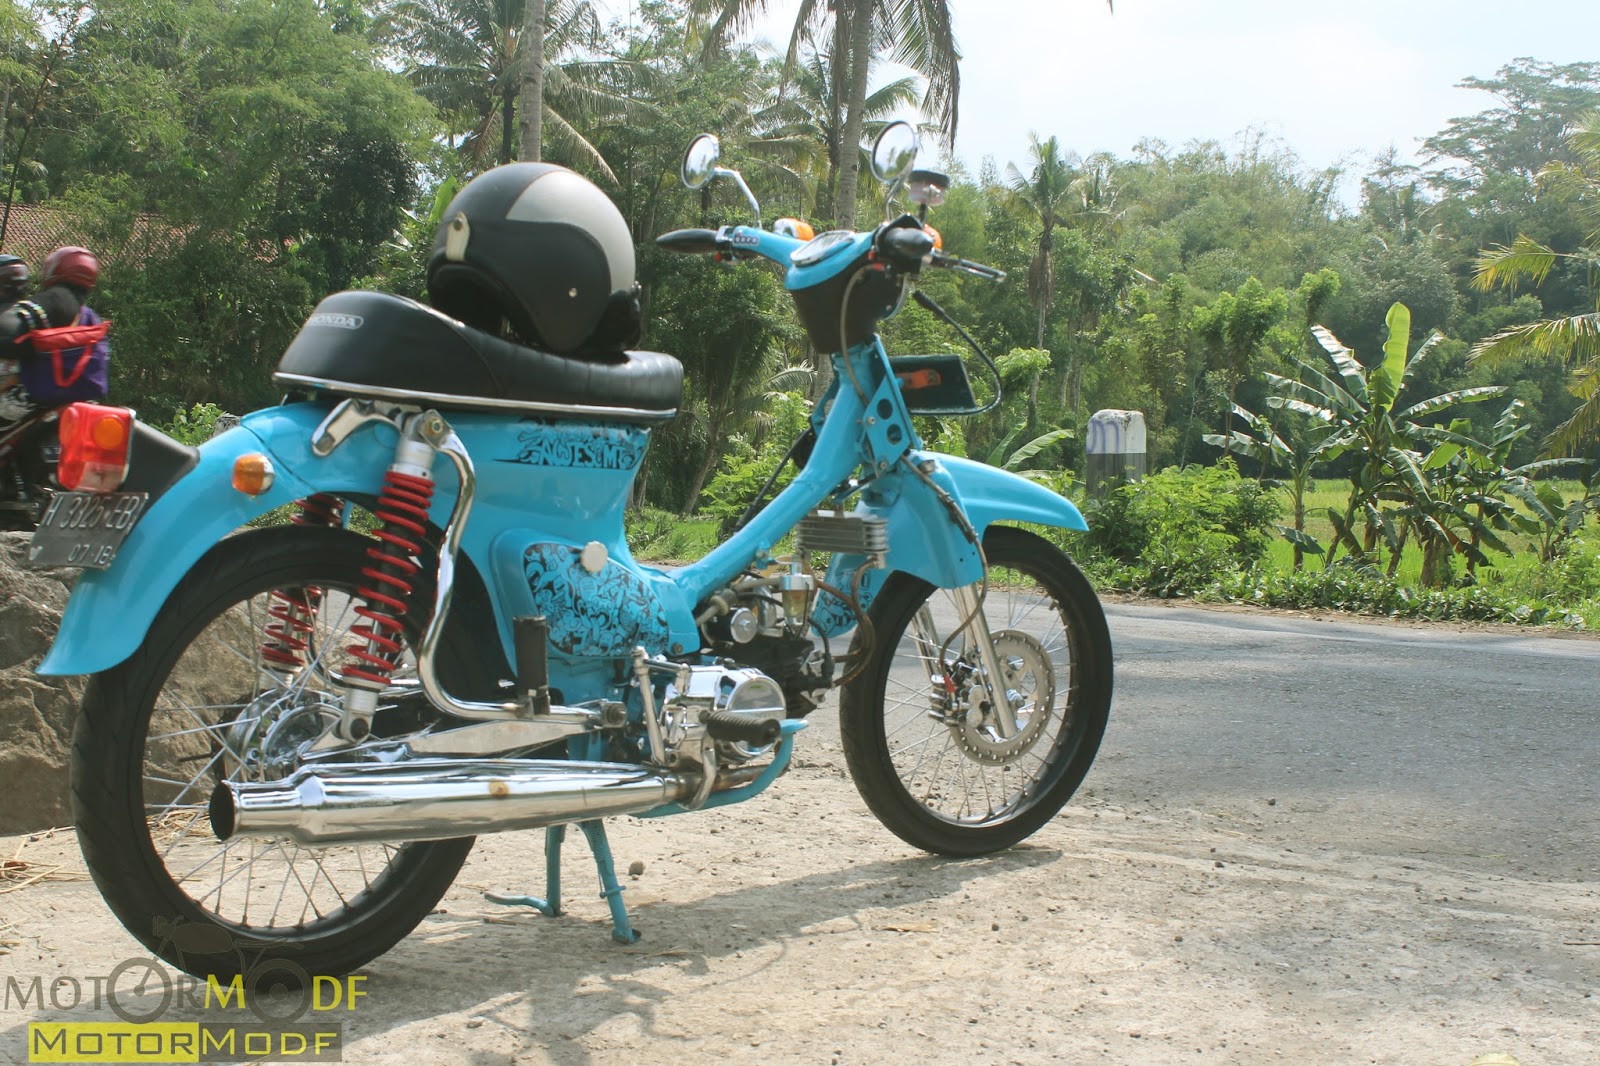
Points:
(293, 732)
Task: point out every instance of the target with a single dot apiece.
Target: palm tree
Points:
(530, 99)
(466, 57)
(1575, 338)
(914, 33)
(814, 115)
(1058, 191)
(1045, 192)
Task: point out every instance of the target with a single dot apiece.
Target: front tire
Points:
(197, 704)
(924, 755)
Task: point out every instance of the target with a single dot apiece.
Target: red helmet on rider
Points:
(70, 265)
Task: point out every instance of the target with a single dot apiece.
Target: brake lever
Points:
(968, 266)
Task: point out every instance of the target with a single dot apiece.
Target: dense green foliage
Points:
(1572, 337)
(1175, 530)
(237, 160)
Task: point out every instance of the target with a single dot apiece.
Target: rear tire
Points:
(192, 706)
(933, 774)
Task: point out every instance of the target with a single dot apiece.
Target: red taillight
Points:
(94, 446)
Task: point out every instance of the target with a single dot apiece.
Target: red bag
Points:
(84, 337)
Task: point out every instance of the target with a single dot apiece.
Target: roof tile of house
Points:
(33, 230)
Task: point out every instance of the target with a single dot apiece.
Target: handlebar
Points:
(904, 246)
(968, 266)
(909, 246)
(691, 241)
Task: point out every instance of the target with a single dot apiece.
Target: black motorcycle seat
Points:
(376, 345)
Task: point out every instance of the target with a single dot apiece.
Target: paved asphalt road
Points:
(1309, 841)
(1483, 743)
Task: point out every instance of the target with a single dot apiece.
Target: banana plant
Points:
(1551, 519)
(1295, 449)
(1009, 455)
(1467, 509)
(1357, 404)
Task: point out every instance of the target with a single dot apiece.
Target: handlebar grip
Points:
(727, 725)
(691, 241)
(906, 245)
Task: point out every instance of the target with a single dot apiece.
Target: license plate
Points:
(84, 528)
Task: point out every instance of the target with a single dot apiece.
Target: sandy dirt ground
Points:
(1305, 841)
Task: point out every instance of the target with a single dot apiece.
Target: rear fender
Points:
(110, 610)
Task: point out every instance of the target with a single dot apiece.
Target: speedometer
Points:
(820, 247)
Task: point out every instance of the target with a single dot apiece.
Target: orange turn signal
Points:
(794, 227)
(938, 238)
(109, 432)
(252, 473)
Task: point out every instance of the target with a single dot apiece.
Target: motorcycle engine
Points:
(742, 691)
(749, 626)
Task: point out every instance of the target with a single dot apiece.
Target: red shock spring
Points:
(403, 510)
(323, 509)
(294, 611)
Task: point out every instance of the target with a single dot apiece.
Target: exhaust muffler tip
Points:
(222, 810)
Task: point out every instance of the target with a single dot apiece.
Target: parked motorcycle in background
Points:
(28, 454)
(53, 352)
(293, 732)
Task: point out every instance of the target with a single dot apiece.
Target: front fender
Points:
(992, 495)
(923, 540)
(110, 610)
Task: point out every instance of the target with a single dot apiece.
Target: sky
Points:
(1338, 81)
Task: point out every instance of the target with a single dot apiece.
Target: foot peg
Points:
(531, 638)
(729, 725)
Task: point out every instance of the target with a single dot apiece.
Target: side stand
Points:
(594, 832)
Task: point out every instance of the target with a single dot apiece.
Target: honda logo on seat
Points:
(325, 318)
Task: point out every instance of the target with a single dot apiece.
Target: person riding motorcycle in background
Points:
(13, 279)
(55, 338)
(13, 285)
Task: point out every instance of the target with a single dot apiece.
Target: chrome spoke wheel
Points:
(227, 713)
(925, 746)
(209, 698)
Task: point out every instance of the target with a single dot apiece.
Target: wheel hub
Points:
(1029, 683)
(275, 730)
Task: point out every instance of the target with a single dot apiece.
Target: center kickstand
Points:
(595, 833)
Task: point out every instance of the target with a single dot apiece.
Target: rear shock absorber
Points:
(294, 611)
(388, 582)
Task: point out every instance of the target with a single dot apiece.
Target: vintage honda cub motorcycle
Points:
(293, 733)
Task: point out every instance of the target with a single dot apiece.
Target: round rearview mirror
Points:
(895, 152)
(700, 161)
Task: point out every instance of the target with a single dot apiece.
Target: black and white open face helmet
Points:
(539, 250)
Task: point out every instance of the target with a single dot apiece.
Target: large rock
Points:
(36, 713)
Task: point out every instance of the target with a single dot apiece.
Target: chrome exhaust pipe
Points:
(436, 799)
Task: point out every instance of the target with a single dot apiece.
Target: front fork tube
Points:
(969, 605)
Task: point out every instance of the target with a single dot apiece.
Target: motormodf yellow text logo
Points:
(143, 1036)
(181, 1042)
